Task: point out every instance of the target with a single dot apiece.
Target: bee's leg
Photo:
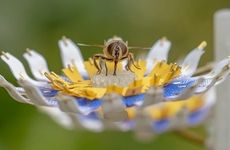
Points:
(95, 57)
(106, 68)
(115, 67)
(128, 65)
(102, 61)
(98, 66)
(132, 61)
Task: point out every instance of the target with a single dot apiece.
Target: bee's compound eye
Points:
(110, 48)
(123, 48)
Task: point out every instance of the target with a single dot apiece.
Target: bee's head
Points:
(116, 48)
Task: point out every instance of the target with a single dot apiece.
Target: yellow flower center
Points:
(91, 89)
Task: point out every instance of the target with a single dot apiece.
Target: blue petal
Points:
(91, 121)
(48, 92)
(134, 100)
(161, 125)
(92, 116)
(51, 101)
(87, 105)
(177, 86)
(197, 116)
(126, 125)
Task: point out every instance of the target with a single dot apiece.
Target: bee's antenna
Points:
(90, 45)
(136, 47)
(102, 46)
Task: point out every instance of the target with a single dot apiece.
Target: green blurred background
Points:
(39, 24)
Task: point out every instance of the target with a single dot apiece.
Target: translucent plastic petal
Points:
(58, 116)
(71, 55)
(35, 94)
(14, 92)
(91, 122)
(158, 52)
(17, 68)
(191, 61)
(37, 64)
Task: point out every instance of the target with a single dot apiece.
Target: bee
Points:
(115, 50)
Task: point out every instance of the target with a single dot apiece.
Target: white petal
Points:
(219, 73)
(17, 68)
(37, 64)
(71, 55)
(191, 61)
(15, 65)
(68, 104)
(91, 124)
(210, 97)
(113, 108)
(153, 96)
(218, 68)
(123, 126)
(14, 92)
(35, 94)
(58, 116)
(158, 52)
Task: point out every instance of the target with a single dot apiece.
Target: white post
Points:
(221, 135)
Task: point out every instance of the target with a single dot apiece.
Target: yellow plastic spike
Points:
(136, 83)
(195, 103)
(133, 91)
(72, 73)
(170, 109)
(80, 88)
(139, 72)
(116, 89)
(89, 93)
(57, 81)
(160, 75)
(90, 68)
(80, 84)
(202, 45)
(163, 73)
(131, 111)
(100, 112)
(136, 87)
